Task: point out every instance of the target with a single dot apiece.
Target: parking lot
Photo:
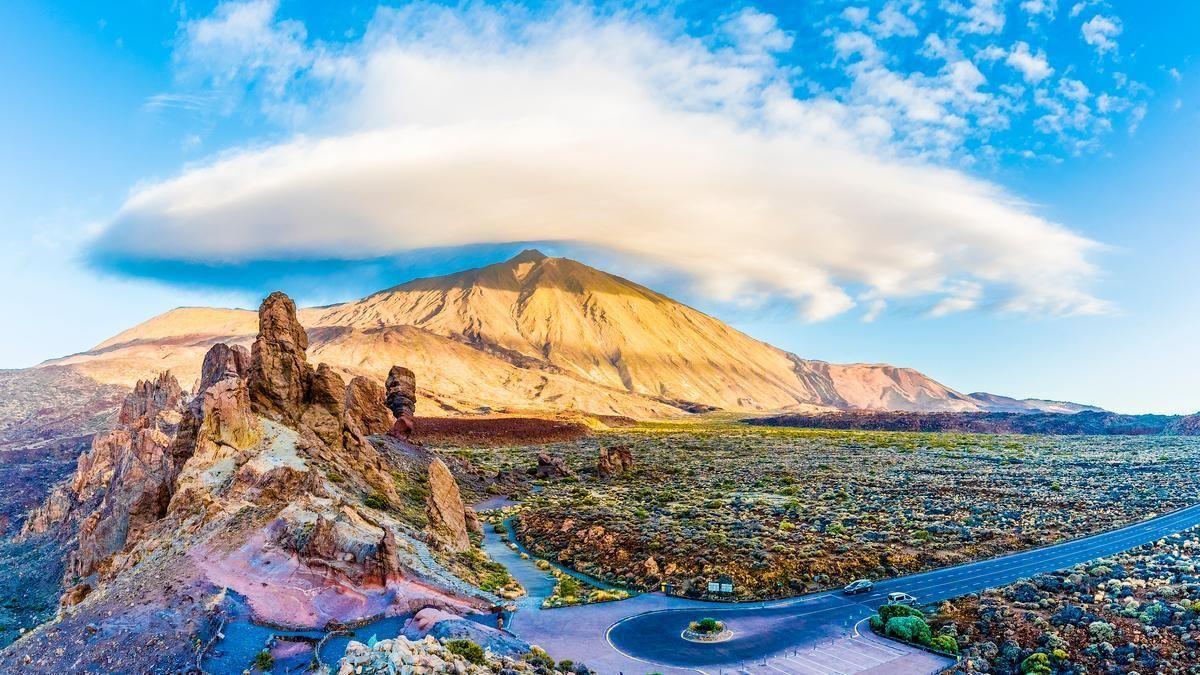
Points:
(851, 654)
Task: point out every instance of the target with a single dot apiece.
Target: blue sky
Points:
(996, 193)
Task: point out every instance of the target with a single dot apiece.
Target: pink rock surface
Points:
(281, 590)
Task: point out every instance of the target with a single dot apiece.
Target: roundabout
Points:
(706, 630)
(747, 632)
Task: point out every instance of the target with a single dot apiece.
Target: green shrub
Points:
(468, 650)
(263, 661)
(538, 657)
(375, 501)
(568, 587)
(708, 625)
(911, 628)
(1101, 631)
(499, 528)
(876, 622)
(944, 643)
(1037, 662)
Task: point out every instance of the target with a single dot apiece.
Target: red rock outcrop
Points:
(614, 461)
(444, 505)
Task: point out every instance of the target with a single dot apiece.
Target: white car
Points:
(901, 599)
(860, 586)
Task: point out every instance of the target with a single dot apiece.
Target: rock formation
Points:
(273, 482)
(119, 486)
(614, 461)
(549, 466)
(402, 399)
(366, 410)
(324, 405)
(279, 372)
(444, 506)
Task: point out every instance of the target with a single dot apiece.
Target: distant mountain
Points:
(997, 403)
(1087, 422)
(534, 334)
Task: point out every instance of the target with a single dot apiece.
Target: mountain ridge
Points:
(536, 333)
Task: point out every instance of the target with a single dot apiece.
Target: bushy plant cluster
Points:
(908, 624)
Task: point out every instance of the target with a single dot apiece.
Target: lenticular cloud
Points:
(445, 127)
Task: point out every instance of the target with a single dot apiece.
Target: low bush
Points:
(1038, 663)
(910, 628)
(468, 650)
(944, 643)
(263, 661)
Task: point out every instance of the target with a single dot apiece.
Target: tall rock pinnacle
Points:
(279, 369)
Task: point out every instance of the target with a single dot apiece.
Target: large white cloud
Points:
(443, 127)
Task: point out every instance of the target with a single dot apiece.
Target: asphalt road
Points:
(766, 629)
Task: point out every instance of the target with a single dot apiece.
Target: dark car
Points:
(860, 586)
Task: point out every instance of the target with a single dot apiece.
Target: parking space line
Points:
(822, 668)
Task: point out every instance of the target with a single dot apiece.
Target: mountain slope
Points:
(538, 333)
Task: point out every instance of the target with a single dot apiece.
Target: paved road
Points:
(772, 629)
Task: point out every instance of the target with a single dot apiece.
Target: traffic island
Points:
(706, 630)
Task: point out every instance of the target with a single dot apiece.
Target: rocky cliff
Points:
(276, 481)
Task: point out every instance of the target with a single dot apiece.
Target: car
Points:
(901, 599)
(860, 586)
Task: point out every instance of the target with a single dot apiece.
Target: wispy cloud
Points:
(1101, 31)
(165, 101)
(447, 127)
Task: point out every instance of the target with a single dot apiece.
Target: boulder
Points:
(614, 461)
(279, 370)
(444, 505)
(549, 466)
(75, 594)
(366, 410)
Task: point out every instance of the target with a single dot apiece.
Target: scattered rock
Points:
(614, 461)
(549, 466)
(75, 594)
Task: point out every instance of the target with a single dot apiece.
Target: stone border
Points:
(692, 636)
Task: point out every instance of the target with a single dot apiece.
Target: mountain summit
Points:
(536, 333)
